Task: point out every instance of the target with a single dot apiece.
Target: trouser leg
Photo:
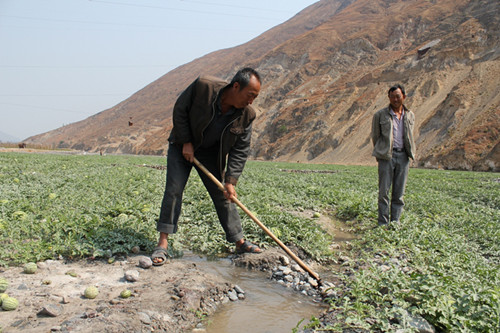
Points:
(227, 212)
(385, 172)
(401, 168)
(178, 170)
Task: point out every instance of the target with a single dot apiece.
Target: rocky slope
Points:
(326, 71)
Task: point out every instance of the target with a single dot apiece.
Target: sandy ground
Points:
(174, 297)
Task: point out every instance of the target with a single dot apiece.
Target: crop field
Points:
(75, 206)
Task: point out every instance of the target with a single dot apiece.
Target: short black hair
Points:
(243, 77)
(396, 87)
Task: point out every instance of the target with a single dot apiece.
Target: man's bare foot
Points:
(243, 246)
(160, 254)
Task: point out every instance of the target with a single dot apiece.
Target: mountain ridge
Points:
(326, 71)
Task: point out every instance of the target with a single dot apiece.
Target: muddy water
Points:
(268, 306)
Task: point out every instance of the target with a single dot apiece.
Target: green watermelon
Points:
(125, 293)
(91, 292)
(9, 304)
(3, 284)
(30, 268)
(2, 297)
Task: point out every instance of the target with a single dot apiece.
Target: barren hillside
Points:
(326, 71)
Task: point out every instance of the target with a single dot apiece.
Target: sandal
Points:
(247, 247)
(159, 253)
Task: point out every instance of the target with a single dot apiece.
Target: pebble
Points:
(51, 310)
(294, 277)
(238, 289)
(285, 261)
(132, 275)
(233, 295)
(144, 318)
(145, 262)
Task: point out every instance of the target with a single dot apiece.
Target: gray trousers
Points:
(393, 172)
(178, 170)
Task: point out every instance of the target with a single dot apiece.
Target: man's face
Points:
(396, 99)
(246, 96)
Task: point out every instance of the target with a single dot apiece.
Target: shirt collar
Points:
(391, 111)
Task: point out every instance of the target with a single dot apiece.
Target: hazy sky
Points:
(62, 61)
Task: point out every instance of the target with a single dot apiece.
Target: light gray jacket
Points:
(382, 133)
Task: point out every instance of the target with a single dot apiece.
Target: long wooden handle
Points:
(260, 224)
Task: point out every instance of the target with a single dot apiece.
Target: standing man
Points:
(392, 136)
(212, 122)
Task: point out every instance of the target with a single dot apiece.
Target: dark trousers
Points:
(392, 172)
(178, 170)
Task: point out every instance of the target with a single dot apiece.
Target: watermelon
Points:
(125, 293)
(4, 284)
(9, 304)
(30, 268)
(91, 292)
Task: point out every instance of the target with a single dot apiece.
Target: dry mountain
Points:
(326, 71)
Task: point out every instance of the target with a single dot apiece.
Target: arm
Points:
(180, 115)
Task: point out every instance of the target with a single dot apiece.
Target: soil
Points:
(175, 297)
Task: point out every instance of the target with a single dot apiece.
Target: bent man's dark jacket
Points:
(193, 112)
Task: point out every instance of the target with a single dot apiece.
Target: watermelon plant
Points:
(441, 264)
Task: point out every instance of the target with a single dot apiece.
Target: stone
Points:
(132, 275)
(51, 310)
(238, 289)
(285, 261)
(233, 296)
(313, 282)
(145, 262)
(144, 318)
(278, 274)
